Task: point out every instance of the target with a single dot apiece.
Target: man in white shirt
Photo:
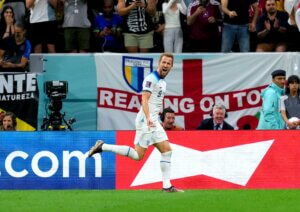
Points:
(148, 129)
(43, 27)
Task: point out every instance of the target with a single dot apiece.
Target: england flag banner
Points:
(195, 83)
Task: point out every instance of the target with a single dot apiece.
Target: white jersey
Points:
(157, 87)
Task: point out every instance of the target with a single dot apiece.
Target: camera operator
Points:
(204, 19)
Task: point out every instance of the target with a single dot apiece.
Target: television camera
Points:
(55, 120)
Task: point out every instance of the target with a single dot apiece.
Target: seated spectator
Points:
(271, 29)
(18, 8)
(15, 51)
(76, 26)
(217, 121)
(8, 122)
(107, 29)
(43, 28)
(290, 103)
(137, 25)
(204, 19)
(173, 36)
(7, 22)
(168, 120)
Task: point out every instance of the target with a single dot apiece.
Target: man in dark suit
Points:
(217, 121)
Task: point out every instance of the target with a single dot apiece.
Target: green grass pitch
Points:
(150, 200)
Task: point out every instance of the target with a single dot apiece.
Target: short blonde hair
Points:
(166, 54)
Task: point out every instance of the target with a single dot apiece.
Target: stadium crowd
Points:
(70, 26)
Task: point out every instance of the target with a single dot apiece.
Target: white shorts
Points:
(145, 137)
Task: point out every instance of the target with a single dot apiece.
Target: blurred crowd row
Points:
(72, 26)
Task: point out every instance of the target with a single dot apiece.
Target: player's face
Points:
(279, 81)
(169, 120)
(165, 65)
(7, 123)
(219, 115)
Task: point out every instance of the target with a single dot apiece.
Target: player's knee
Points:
(140, 156)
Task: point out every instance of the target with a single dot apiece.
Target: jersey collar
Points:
(156, 74)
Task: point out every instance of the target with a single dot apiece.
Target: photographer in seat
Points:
(167, 118)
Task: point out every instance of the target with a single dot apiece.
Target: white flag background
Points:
(196, 82)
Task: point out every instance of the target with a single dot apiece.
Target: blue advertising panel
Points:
(55, 160)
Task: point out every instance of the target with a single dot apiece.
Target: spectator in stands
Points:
(137, 25)
(76, 26)
(7, 22)
(236, 24)
(204, 18)
(15, 51)
(293, 9)
(271, 29)
(167, 118)
(270, 117)
(290, 103)
(159, 28)
(173, 36)
(18, 8)
(217, 121)
(43, 29)
(107, 29)
(8, 122)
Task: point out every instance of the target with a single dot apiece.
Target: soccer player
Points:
(148, 129)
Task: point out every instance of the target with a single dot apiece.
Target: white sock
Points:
(165, 166)
(121, 150)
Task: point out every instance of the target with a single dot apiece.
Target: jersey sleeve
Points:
(148, 83)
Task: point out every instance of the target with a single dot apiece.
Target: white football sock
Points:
(165, 166)
(121, 150)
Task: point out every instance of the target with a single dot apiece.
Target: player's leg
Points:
(165, 162)
(140, 141)
(123, 150)
(165, 165)
(163, 145)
